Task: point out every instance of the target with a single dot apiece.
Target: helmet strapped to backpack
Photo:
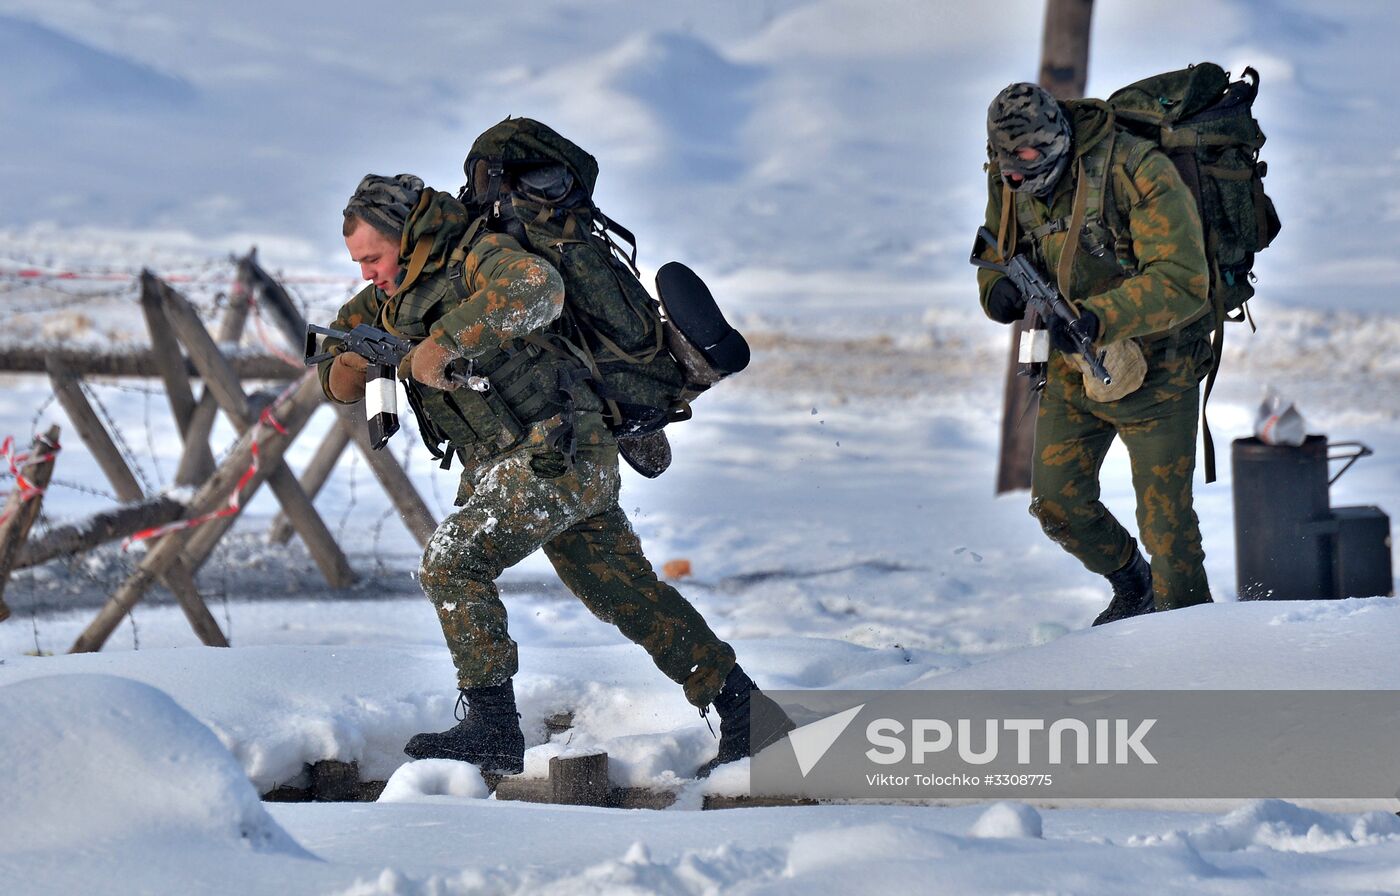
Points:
(537, 186)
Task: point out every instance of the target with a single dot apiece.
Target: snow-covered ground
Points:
(818, 162)
(835, 504)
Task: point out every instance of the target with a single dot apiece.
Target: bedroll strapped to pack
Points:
(1205, 124)
(647, 365)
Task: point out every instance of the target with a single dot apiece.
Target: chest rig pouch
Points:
(1090, 249)
(1088, 255)
(475, 424)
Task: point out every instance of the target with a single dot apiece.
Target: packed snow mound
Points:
(1008, 821)
(1283, 827)
(417, 781)
(92, 759)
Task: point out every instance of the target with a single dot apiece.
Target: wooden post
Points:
(69, 392)
(579, 780)
(314, 477)
(1064, 70)
(99, 528)
(410, 505)
(1064, 52)
(166, 350)
(21, 512)
(222, 383)
(191, 546)
(196, 464)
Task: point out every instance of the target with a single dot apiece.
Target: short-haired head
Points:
(383, 203)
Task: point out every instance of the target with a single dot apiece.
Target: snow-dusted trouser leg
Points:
(513, 511)
(601, 561)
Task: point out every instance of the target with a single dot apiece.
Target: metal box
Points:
(1361, 564)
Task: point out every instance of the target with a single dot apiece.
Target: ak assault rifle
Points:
(382, 352)
(1043, 298)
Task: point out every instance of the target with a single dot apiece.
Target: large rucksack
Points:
(537, 186)
(1205, 124)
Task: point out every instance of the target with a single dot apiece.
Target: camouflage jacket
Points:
(479, 295)
(1141, 263)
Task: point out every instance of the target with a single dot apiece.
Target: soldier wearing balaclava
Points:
(1106, 218)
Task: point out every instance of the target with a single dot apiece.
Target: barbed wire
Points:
(120, 440)
(150, 440)
(38, 414)
(117, 386)
(84, 489)
(380, 567)
(350, 502)
(34, 621)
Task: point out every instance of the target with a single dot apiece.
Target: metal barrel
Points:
(1283, 524)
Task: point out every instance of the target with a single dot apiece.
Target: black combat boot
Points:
(738, 699)
(488, 735)
(648, 453)
(1132, 591)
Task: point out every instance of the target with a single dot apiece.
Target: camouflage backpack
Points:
(537, 186)
(1205, 124)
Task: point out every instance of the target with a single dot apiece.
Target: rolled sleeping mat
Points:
(381, 404)
(692, 310)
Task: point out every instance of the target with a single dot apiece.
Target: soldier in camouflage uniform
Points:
(541, 467)
(1136, 272)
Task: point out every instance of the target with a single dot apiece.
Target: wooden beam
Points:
(69, 392)
(411, 507)
(21, 511)
(1064, 70)
(196, 464)
(223, 384)
(100, 528)
(314, 477)
(166, 350)
(179, 578)
(135, 364)
(191, 546)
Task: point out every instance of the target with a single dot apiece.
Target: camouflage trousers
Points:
(530, 500)
(1157, 424)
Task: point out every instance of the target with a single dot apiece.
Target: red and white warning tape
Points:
(27, 490)
(266, 420)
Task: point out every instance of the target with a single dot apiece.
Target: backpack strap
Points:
(609, 226)
(457, 262)
(566, 348)
(1007, 234)
(1076, 224)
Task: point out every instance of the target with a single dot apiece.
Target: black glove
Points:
(1004, 302)
(1060, 336)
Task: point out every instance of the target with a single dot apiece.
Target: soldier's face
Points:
(377, 256)
(1027, 154)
